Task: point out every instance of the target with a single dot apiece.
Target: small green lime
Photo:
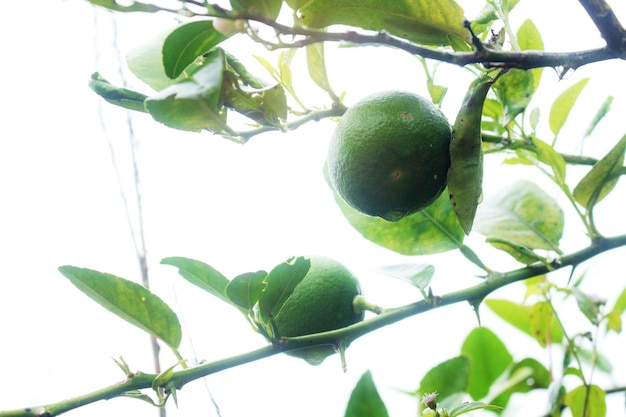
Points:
(321, 302)
(389, 155)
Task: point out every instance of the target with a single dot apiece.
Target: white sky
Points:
(236, 208)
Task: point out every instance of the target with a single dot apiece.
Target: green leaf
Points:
(524, 214)
(134, 6)
(146, 63)
(284, 67)
(458, 44)
(563, 105)
(472, 406)
(542, 323)
(186, 43)
(245, 290)
(465, 175)
(420, 21)
(529, 39)
(129, 301)
(447, 378)
(193, 104)
(365, 401)
(615, 315)
(520, 253)
(600, 114)
(265, 8)
(432, 230)
(267, 106)
(116, 95)
(593, 397)
(595, 359)
(601, 180)
(519, 316)
(316, 65)
(515, 90)
(418, 275)
(280, 283)
(587, 306)
(201, 275)
(488, 357)
(524, 376)
(546, 154)
(436, 92)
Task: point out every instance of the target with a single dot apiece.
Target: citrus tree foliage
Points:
(195, 83)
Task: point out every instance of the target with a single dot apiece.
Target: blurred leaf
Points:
(519, 316)
(316, 64)
(146, 63)
(267, 106)
(524, 376)
(447, 378)
(420, 21)
(546, 154)
(515, 90)
(418, 275)
(587, 306)
(201, 275)
(186, 43)
(489, 358)
(436, 92)
(586, 401)
(266, 8)
(193, 104)
(614, 317)
(472, 406)
(284, 67)
(280, 283)
(521, 253)
(563, 105)
(600, 114)
(245, 289)
(524, 214)
(596, 359)
(534, 119)
(116, 95)
(574, 371)
(487, 15)
(365, 401)
(129, 301)
(134, 6)
(529, 39)
(543, 323)
(600, 177)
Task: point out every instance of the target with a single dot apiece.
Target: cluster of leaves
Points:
(198, 85)
(259, 295)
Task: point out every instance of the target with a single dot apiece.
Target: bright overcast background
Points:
(238, 208)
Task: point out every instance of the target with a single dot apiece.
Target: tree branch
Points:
(485, 56)
(473, 295)
(607, 23)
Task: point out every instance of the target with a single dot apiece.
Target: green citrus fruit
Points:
(321, 302)
(389, 155)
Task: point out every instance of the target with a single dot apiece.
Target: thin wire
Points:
(137, 233)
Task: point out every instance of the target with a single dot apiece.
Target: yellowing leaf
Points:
(420, 21)
(563, 105)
